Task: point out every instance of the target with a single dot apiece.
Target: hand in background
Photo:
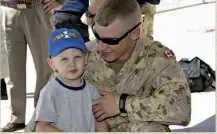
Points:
(50, 6)
(86, 20)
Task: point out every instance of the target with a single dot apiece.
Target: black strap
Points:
(122, 102)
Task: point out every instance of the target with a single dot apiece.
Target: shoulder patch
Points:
(169, 53)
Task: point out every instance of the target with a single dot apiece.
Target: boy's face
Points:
(69, 63)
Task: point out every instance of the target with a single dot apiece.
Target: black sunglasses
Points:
(113, 41)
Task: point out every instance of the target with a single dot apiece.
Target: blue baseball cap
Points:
(64, 38)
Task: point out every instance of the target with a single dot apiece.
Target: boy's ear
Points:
(136, 33)
(51, 63)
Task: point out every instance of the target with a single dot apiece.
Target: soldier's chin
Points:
(109, 59)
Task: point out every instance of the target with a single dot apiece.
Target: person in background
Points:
(25, 22)
(69, 16)
(4, 64)
(4, 95)
(148, 10)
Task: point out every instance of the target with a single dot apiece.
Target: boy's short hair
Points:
(64, 38)
(110, 10)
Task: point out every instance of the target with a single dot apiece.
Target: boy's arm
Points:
(45, 111)
(101, 126)
(46, 127)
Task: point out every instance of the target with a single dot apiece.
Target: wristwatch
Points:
(122, 101)
(89, 14)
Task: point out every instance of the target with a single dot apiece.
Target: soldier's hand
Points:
(106, 106)
(50, 6)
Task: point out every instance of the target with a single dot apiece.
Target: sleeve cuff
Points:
(128, 104)
(45, 119)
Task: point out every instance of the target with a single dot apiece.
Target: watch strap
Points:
(122, 102)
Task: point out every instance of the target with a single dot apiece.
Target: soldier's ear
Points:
(51, 63)
(135, 34)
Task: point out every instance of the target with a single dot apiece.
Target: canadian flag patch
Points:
(169, 53)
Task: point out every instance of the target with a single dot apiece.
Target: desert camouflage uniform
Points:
(148, 12)
(159, 94)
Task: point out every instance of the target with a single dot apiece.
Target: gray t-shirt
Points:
(67, 108)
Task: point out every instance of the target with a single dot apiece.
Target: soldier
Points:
(142, 86)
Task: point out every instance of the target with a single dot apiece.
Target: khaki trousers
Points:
(30, 26)
(3, 54)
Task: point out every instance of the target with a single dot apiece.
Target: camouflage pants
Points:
(148, 11)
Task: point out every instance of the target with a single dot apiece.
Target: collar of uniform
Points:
(75, 88)
(98, 71)
(139, 51)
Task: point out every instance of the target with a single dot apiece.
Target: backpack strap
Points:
(210, 70)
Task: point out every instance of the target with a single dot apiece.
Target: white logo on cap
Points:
(66, 34)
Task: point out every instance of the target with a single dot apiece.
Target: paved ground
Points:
(187, 28)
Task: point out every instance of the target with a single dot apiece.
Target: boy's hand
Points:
(106, 106)
(50, 6)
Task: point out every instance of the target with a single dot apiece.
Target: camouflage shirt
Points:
(158, 92)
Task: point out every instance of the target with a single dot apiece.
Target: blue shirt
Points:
(79, 6)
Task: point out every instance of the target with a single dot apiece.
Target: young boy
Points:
(65, 103)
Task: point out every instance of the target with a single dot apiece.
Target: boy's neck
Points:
(76, 82)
